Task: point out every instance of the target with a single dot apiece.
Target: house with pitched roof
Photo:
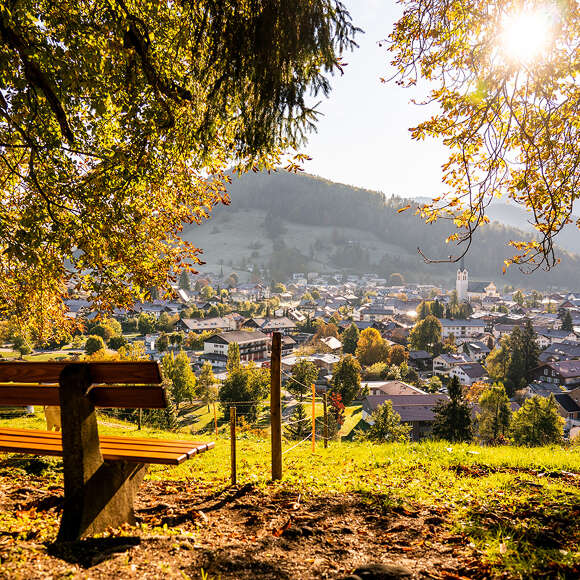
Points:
(253, 346)
(416, 410)
(563, 373)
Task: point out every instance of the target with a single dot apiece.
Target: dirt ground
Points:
(186, 531)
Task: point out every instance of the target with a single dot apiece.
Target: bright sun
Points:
(526, 35)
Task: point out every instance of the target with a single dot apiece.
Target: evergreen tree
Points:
(423, 310)
(206, 381)
(567, 323)
(516, 372)
(437, 309)
(530, 348)
(387, 426)
(453, 417)
(184, 282)
(162, 343)
(300, 424)
(495, 415)
(537, 422)
(350, 339)
(233, 361)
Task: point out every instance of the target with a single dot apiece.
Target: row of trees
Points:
(514, 358)
(536, 423)
(454, 309)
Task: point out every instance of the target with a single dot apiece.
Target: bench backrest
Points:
(116, 384)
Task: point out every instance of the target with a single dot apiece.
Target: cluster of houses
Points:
(368, 301)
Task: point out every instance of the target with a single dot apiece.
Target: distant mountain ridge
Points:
(280, 221)
(510, 214)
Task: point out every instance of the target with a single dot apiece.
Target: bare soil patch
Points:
(242, 532)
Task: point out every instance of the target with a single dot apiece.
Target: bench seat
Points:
(113, 448)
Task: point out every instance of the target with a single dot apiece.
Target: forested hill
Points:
(325, 226)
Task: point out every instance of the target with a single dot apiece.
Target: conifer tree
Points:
(567, 323)
(453, 417)
(205, 384)
(346, 378)
(350, 339)
(233, 361)
(516, 372)
(530, 348)
(495, 415)
(300, 425)
(387, 426)
(537, 422)
(184, 283)
(423, 310)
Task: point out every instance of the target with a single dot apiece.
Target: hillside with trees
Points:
(301, 222)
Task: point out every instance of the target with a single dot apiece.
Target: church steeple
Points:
(461, 283)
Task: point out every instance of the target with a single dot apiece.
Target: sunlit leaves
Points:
(118, 121)
(511, 125)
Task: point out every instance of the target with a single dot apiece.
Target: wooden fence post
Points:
(324, 402)
(313, 417)
(276, 405)
(233, 444)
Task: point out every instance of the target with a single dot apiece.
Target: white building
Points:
(461, 328)
(467, 290)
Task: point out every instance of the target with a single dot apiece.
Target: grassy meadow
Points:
(519, 508)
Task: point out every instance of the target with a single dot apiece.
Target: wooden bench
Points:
(101, 474)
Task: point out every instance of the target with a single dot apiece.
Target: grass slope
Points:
(513, 511)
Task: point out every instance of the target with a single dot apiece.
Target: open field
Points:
(441, 511)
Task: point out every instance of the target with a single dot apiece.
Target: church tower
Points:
(462, 282)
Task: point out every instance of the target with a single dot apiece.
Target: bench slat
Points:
(190, 448)
(112, 449)
(105, 444)
(134, 397)
(116, 372)
(143, 440)
(108, 454)
(114, 453)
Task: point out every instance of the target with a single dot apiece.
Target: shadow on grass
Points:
(535, 535)
(30, 465)
(92, 551)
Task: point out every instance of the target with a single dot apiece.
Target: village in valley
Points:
(416, 338)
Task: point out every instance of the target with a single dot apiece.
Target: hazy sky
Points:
(363, 137)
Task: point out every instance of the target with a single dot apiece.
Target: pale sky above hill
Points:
(363, 137)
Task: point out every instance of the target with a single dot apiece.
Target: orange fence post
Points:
(313, 418)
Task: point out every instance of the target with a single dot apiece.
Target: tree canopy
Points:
(507, 115)
(117, 121)
(453, 417)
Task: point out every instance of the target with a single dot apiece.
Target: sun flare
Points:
(525, 36)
